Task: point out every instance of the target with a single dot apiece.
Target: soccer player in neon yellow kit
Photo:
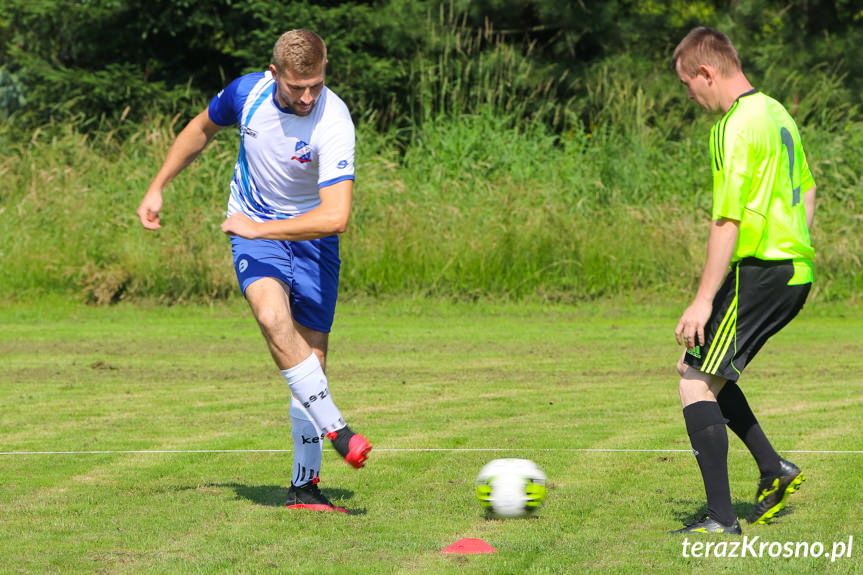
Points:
(756, 278)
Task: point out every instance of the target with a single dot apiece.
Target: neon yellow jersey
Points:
(759, 177)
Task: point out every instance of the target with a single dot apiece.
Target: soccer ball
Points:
(511, 487)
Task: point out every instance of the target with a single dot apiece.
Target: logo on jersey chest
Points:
(248, 131)
(302, 152)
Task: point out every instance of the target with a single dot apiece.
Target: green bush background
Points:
(506, 149)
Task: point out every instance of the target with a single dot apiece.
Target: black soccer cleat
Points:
(352, 446)
(773, 492)
(708, 525)
(309, 496)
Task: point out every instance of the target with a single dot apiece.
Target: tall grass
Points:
(498, 189)
(461, 70)
(68, 222)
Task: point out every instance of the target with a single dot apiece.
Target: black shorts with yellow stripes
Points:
(753, 303)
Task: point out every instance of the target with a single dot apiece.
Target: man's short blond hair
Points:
(301, 51)
(706, 46)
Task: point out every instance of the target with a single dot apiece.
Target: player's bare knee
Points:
(271, 319)
(682, 387)
(689, 392)
(275, 327)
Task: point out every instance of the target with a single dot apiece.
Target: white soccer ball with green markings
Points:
(511, 487)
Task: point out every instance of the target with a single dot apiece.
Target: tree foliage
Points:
(92, 61)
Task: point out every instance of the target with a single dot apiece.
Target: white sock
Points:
(308, 445)
(309, 385)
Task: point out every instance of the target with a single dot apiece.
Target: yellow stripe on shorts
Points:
(726, 333)
(720, 344)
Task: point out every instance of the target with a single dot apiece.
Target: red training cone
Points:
(469, 546)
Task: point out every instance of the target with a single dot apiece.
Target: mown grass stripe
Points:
(411, 450)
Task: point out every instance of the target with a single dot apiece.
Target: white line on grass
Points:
(377, 450)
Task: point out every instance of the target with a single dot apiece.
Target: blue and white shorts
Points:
(309, 268)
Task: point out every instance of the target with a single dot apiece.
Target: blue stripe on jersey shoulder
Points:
(268, 89)
(227, 107)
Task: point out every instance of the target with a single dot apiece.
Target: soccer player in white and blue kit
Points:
(290, 198)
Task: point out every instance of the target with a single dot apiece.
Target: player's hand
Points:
(239, 224)
(690, 328)
(148, 210)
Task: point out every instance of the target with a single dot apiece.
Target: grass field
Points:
(440, 389)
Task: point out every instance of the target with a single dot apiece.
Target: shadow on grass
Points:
(276, 495)
(686, 511)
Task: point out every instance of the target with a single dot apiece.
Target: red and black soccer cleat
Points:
(352, 446)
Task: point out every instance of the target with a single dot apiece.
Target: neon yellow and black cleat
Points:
(709, 525)
(773, 492)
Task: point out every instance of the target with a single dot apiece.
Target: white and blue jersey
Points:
(284, 158)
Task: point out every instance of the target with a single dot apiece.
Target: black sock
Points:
(742, 422)
(706, 428)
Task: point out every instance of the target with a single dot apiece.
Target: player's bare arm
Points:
(720, 248)
(809, 204)
(189, 143)
(331, 217)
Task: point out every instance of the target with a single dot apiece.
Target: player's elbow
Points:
(809, 200)
(338, 224)
(809, 207)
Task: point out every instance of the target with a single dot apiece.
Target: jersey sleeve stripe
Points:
(720, 143)
(718, 155)
(714, 153)
(261, 97)
(720, 135)
(335, 181)
(226, 107)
